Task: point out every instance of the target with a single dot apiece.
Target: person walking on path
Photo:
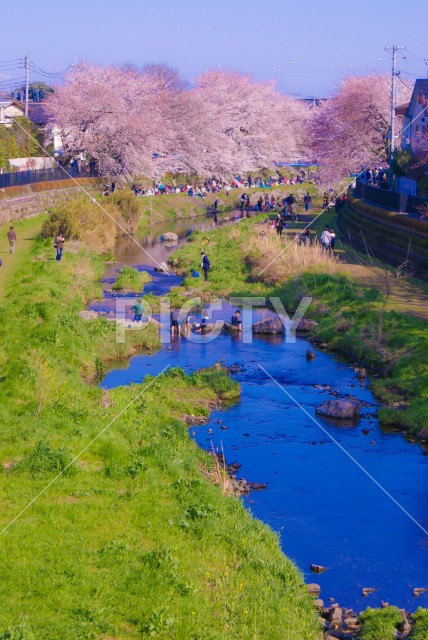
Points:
(206, 265)
(308, 201)
(326, 238)
(59, 246)
(11, 236)
(332, 240)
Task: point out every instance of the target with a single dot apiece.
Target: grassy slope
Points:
(132, 540)
(348, 312)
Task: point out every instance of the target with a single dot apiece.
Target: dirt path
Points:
(409, 295)
(26, 231)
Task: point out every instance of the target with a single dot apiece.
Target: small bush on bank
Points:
(380, 624)
(420, 622)
(130, 279)
(218, 379)
(128, 205)
(83, 220)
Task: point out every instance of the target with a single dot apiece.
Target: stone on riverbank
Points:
(269, 326)
(306, 325)
(88, 315)
(344, 409)
(310, 355)
(313, 588)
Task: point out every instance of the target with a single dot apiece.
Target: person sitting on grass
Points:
(236, 320)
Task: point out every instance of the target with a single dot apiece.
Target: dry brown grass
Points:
(281, 258)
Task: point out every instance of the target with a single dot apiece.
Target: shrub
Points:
(44, 459)
(420, 622)
(130, 279)
(380, 624)
(128, 205)
(83, 220)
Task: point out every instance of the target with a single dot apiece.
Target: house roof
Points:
(6, 102)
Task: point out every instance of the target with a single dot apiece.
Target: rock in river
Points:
(344, 409)
(169, 236)
(270, 326)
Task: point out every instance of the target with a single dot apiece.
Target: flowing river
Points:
(358, 517)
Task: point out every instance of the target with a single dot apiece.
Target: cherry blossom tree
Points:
(247, 125)
(351, 130)
(148, 121)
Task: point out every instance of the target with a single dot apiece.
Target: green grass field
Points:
(110, 526)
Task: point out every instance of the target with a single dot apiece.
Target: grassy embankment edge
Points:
(132, 538)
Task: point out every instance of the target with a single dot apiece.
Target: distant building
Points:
(9, 109)
(415, 125)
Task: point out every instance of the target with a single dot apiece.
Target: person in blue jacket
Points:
(206, 265)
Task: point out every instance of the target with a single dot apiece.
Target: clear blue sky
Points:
(307, 45)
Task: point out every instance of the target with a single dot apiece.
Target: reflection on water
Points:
(128, 252)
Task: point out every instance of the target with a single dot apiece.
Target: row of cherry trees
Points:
(148, 121)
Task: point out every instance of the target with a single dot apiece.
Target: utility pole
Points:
(394, 49)
(27, 82)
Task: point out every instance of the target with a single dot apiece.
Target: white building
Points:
(10, 109)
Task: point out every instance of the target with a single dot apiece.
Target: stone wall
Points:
(30, 204)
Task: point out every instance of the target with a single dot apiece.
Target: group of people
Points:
(328, 239)
(109, 188)
(215, 185)
(376, 177)
(192, 324)
(58, 244)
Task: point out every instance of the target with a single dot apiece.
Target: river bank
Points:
(131, 538)
(353, 319)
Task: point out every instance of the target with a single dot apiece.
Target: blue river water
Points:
(327, 508)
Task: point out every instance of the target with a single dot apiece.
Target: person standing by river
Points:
(11, 236)
(59, 246)
(206, 265)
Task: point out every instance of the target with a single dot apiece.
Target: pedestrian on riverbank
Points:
(332, 240)
(59, 246)
(308, 201)
(11, 236)
(325, 238)
(206, 265)
(138, 309)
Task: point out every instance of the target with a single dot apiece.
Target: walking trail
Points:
(26, 231)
